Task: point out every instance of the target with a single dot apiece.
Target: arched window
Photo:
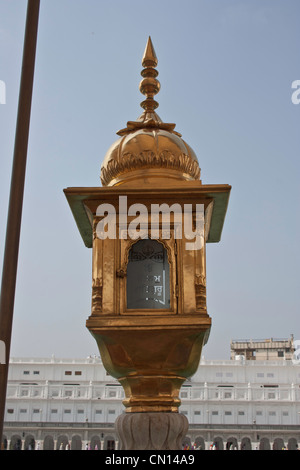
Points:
(148, 277)
(48, 443)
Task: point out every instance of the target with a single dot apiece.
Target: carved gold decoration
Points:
(183, 163)
(121, 272)
(200, 290)
(97, 296)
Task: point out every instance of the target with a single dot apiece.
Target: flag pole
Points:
(13, 227)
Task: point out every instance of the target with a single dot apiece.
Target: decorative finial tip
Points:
(149, 58)
(149, 86)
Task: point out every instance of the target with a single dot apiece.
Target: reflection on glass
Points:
(148, 284)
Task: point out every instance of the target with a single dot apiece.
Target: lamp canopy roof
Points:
(148, 148)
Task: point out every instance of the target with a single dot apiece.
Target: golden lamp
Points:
(148, 226)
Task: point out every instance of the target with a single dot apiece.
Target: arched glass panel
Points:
(148, 277)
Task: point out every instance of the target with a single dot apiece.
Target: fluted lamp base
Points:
(151, 431)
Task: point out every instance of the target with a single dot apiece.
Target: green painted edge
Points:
(221, 201)
(83, 223)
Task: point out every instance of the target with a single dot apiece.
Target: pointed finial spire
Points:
(149, 86)
(149, 58)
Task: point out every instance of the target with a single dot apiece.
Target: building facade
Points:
(263, 349)
(72, 404)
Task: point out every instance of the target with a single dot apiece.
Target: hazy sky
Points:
(226, 69)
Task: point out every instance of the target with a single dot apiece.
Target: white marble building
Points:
(57, 403)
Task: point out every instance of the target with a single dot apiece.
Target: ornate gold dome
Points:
(148, 148)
